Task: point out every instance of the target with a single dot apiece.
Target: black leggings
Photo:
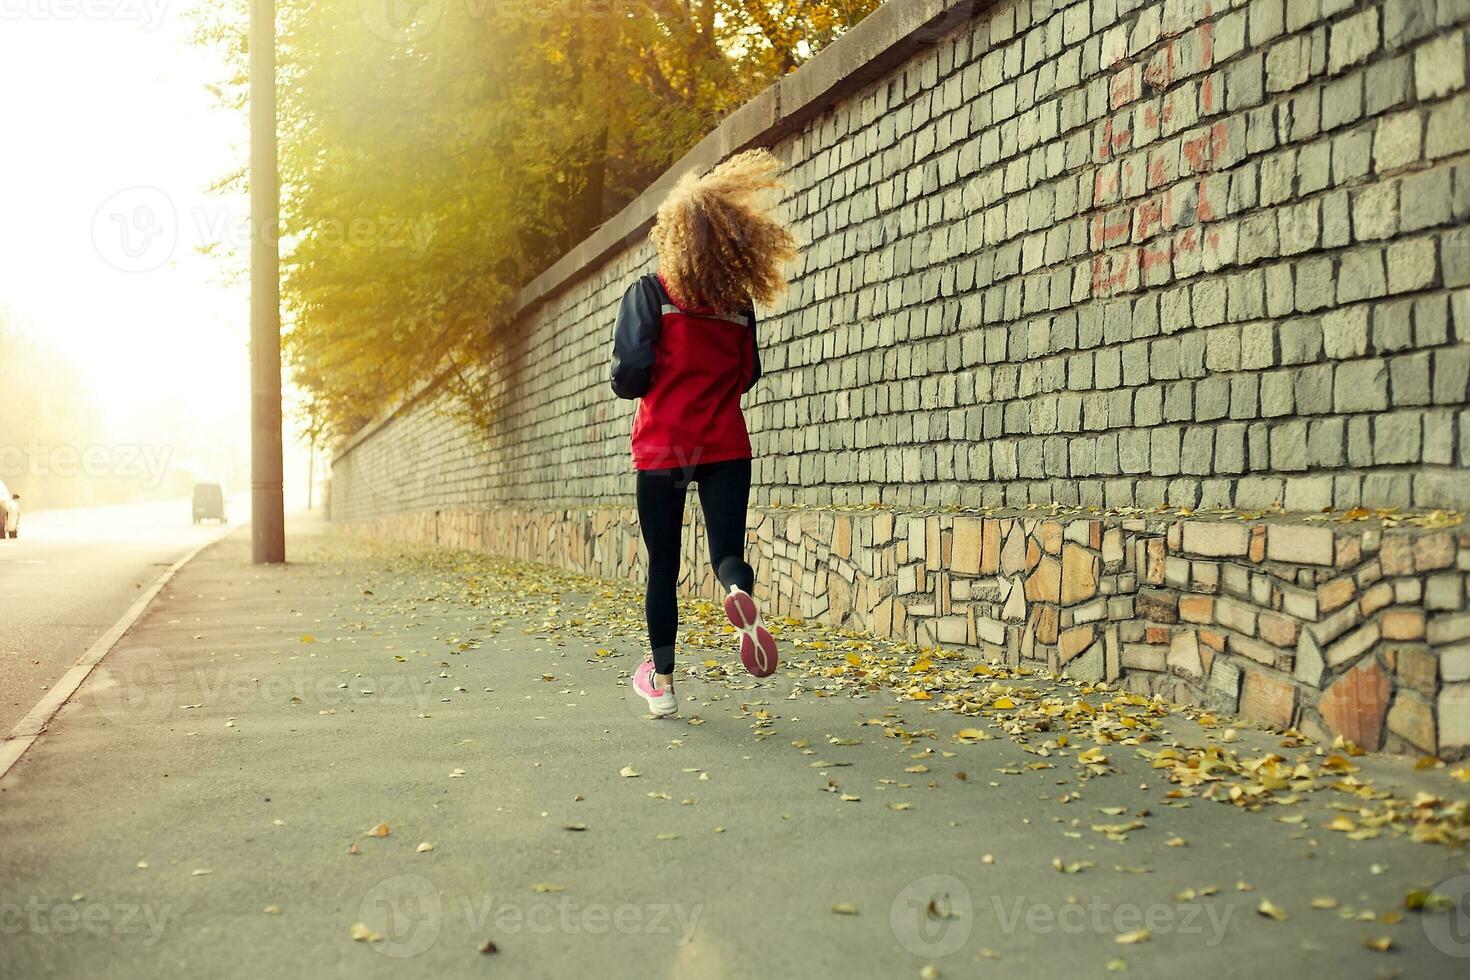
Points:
(724, 491)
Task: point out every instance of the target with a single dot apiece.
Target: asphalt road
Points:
(69, 576)
(383, 762)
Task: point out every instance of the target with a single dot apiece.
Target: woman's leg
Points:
(724, 494)
(661, 520)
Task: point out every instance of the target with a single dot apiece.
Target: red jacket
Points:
(689, 366)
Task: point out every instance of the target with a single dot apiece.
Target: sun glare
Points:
(118, 260)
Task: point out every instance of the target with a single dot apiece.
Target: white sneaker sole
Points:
(660, 712)
(657, 707)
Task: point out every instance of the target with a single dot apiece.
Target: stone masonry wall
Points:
(1116, 254)
(1335, 628)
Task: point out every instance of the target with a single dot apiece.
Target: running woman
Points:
(685, 344)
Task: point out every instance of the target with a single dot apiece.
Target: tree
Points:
(434, 163)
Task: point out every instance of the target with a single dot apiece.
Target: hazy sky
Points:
(110, 141)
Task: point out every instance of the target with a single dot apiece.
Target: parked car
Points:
(9, 512)
(209, 502)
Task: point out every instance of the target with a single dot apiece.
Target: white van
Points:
(9, 512)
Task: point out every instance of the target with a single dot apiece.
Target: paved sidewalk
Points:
(202, 806)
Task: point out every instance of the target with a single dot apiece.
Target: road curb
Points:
(33, 725)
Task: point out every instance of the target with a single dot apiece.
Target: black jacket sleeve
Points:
(755, 351)
(637, 328)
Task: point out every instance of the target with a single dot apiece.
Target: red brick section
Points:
(1267, 700)
(1354, 705)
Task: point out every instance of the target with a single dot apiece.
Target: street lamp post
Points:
(267, 509)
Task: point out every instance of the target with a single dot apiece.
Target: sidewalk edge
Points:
(33, 725)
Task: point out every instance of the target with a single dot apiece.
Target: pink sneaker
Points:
(757, 645)
(660, 700)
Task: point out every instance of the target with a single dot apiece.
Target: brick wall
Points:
(1104, 253)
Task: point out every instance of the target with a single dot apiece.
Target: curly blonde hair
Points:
(718, 244)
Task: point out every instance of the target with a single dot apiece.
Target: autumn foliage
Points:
(436, 157)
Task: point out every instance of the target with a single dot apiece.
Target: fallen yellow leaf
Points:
(1271, 910)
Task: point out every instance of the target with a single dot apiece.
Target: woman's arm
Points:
(755, 352)
(639, 318)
